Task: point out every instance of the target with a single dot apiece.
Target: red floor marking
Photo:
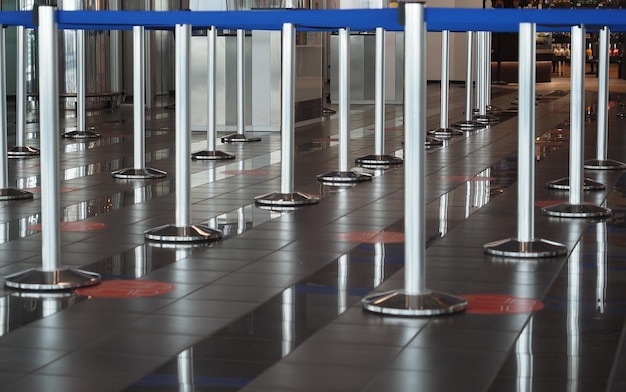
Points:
(74, 226)
(126, 289)
(62, 189)
(546, 203)
(371, 237)
(247, 172)
(500, 304)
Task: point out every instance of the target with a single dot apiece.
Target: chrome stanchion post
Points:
(379, 159)
(287, 198)
(576, 208)
(21, 150)
(490, 108)
(240, 136)
(444, 130)
(526, 245)
(415, 299)
(139, 171)
(482, 84)
(50, 276)
(6, 193)
(183, 231)
(601, 162)
(468, 124)
(211, 136)
(81, 131)
(343, 174)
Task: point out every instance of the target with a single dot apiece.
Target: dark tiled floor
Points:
(275, 306)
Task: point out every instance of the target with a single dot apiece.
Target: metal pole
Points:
(287, 198)
(379, 159)
(139, 171)
(49, 277)
(482, 82)
(379, 121)
(577, 110)
(287, 116)
(576, 208)
(445, 78)
(183, 133)
(601, 162)
(139, 95)
(241, 124)
(344, 98)
(468, 124)
(415, 299)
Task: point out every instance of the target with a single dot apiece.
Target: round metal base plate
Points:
(444, 132)
(588, 184)
(22, 152)
(604, 164)
(378, 161)
(430, 141)
(214, 155)
(185, 234)
(525, 249)
(621, 114)
(428, 303)
(584, 210)
(239, 138)
(294, 199)
(343, 177)
(65, 279)
(14, 194)
(139, 174)
(467, 125)
(486, 119)
(86, 134)
(493, 109)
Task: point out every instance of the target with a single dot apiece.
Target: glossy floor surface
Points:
(276, 304)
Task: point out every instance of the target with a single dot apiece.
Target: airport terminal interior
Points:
(275, 304)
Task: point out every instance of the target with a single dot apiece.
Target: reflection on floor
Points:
(275, 305)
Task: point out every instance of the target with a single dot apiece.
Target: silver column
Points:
(240, 136)
(444, 131)
(21, 150)
(211, 136)
(601, 162)
(526, 245)
(183, 231)
(576, 208)
(81, 132)
(415, 299)
(287, 197)
(379, 159)
(50, 276)
(482, 82)
(6, 193)
(468, 124)
(139, 171)
(343, 174)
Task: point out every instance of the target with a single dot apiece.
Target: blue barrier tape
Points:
(359, 20)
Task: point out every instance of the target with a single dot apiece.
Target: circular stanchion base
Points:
(584, 210)
(343, 177)
(294, 199)
(22, 152)
(467, 125)
(486, 119)
(214, 155)
(430, 141)
(64, 279)
(399, 303)
(86, 134)
(183, 234)
(14, 194)
(512, 247)
(379, 161)
(588, 184)
(139, 174)
(493, 109)
(621, 114)
(239, 138)
(604, 164)
(444, 132)
(328, 111)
